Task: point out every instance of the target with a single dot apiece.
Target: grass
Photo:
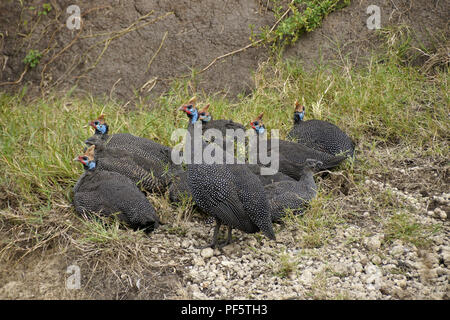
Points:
(403, 227)
(285, 266)
(395, 112)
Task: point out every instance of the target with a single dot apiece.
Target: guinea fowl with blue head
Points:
(230, 193)
(291, 151)
(319, 134)
(220, 124)
(149, 174)
(107, 193)
(126, 141)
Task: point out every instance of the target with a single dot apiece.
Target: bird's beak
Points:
(91, 123)
(77, 158)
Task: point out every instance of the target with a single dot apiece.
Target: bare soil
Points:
(124, 52)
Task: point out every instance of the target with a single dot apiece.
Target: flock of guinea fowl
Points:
(120, 168)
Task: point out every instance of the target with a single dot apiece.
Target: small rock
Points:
(214, 260)
(373, 243)
(371, 269)
(376, 259)
(207, 253)
(439, 213)
(198, 261)
(307, 277)
(341, 268)
(397, 251)
(227, 263)
(185, 244)
(232, 248)
(223, 290)
(363, 260)
(358, 267)
(401, 283)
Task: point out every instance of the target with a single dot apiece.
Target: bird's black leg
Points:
(213, 244)
(229, 237)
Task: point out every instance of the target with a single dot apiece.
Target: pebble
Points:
(376, 259)
(306, 277)
(363, 260)
(397, 251)
(401, 283)
(374, 243)
(207, 253)
(185, 243)
(358, 267)
(439, 213)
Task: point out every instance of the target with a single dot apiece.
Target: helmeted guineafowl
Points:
(223, 128)
(221, 124)
(106, 193)
(126, 141)
(292, 195)
(149, 174)
(319, 134)
(231, 194)
(294, 152)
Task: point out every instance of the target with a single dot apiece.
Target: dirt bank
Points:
(130, 49)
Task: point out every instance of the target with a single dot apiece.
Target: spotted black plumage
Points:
(292, 195)
(292, 152)
(231, 194)
(107, 193)
(179, 188)
(320, 135)
(149, 174)
(144, 147)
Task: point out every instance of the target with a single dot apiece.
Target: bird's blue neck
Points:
(298, 116)
(260, 129)
(206, 119)
(194, 117)
(90, 165)
(101, 129)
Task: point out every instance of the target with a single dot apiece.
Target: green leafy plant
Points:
(33, 58)
(305, 16)
(46, 8)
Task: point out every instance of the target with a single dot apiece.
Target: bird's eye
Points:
(202, 114)
(96, 123)
(85, 158)
(256, 123)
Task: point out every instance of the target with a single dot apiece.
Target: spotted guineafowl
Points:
(221, 124)
(151, 175)
(231, 194)
(319, 134)
(292, 195)
(222, 128)
(147, 148)
(107, 193)
(294, 152)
